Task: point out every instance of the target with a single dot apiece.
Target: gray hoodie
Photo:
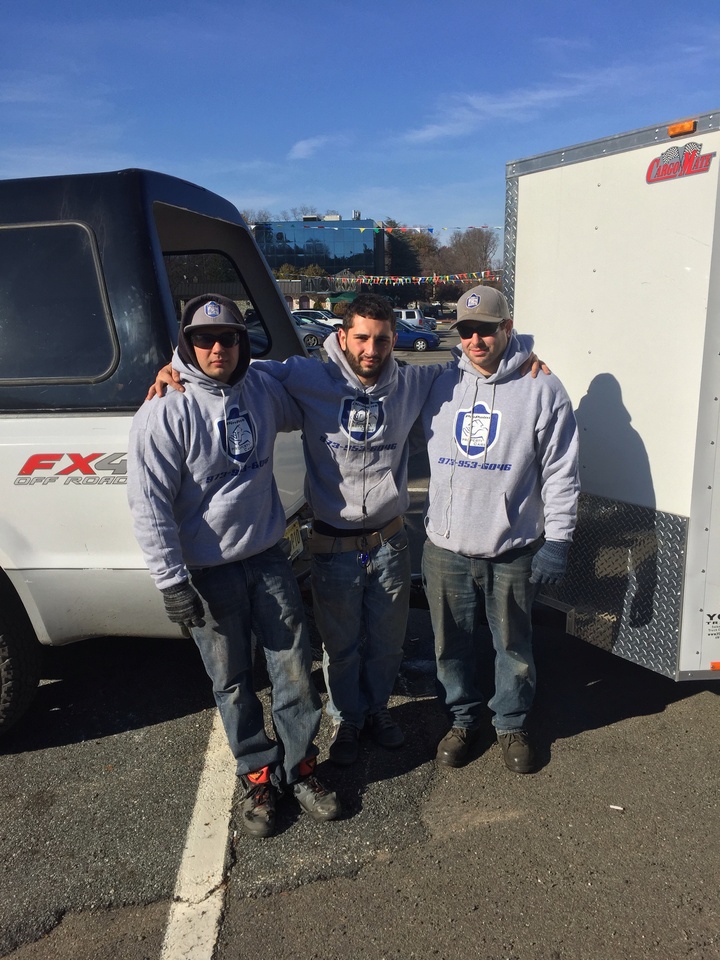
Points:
(503, 458)
(200, 481)
(355, 436)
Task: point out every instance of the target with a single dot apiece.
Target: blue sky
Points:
(395, 108)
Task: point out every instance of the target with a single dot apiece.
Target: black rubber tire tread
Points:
(20, 665)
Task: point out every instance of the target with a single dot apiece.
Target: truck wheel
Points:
(420, 345)
(19, 670)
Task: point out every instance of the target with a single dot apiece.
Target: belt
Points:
(321, 543)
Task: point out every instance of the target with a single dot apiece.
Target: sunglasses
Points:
(467, 329)
(206, 341)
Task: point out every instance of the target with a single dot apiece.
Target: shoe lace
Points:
(260, 794)
(314, 785)
(382, 719)
(346, 733)
(459, 733)
(516, 736)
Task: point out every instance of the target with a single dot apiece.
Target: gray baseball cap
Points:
(484, 304)
(214, 311)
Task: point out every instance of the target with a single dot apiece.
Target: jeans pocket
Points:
(324, 560)
(399, 541)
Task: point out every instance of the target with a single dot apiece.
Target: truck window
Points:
(52, 297)
(191, 274)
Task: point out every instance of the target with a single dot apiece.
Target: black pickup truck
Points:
(94, 271)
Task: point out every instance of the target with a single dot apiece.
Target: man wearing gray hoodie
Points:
(209, 520)
(358, 410)
(501, 510)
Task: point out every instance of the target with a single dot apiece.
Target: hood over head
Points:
(211, 312)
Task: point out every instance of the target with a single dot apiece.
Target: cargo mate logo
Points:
(676, 163)
(73, 469)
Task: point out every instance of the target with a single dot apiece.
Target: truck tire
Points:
(19, 669)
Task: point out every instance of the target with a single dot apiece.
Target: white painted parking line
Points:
(194, 919)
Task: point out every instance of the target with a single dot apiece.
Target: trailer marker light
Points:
(715, 664)
(685, 126)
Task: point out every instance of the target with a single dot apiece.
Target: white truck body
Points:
(612, 260)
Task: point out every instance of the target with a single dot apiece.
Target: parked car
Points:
(415, 318)
(323, 317)
(313, 334)
(415, 338)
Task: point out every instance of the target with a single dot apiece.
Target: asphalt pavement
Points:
(611, 850)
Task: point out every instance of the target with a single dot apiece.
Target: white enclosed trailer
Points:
(612, 260)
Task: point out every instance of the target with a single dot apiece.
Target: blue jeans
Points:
(259, 595)
(362, 613)
(456, 587)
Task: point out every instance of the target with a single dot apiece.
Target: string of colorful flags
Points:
(384, 229)
(378, 228)
(484, 275)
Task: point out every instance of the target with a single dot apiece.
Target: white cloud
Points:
(468, 112)
(304, 149)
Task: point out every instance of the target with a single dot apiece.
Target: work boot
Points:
(455, 746)
(517, 751)
(316, 800)
(257, 803)
(384, 730)
(344, 744)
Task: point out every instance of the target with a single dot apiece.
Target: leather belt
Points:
(362, 542)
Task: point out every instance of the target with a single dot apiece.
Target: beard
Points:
(358, 369)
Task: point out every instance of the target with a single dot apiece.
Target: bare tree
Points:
(256, 216)
(470, 251)
(297, 213)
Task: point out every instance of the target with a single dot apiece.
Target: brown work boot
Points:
(518, 753)
(455, 746)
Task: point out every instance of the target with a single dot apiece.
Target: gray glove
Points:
(183, 605)
(550, 562)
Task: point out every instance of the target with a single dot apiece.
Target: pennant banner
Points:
(379, 228)
(488, 276)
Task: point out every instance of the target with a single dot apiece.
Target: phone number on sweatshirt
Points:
(473, 464)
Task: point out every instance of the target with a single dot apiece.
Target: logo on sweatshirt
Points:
(476, 430)
(240, 437)
(361, 418)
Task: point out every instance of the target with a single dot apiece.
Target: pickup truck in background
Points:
(94, 271)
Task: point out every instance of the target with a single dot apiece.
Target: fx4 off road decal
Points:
(73, 469)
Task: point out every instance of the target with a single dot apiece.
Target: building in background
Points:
(333, 244)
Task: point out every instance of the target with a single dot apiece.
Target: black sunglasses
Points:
(208, 340)
(467, 329)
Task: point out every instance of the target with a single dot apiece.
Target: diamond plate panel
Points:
(624, 581)
(510, 239)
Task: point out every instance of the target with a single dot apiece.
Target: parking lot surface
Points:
(611, 850)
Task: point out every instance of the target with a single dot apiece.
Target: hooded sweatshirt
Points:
(355, 436)
(503, 458)
(200, 469)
